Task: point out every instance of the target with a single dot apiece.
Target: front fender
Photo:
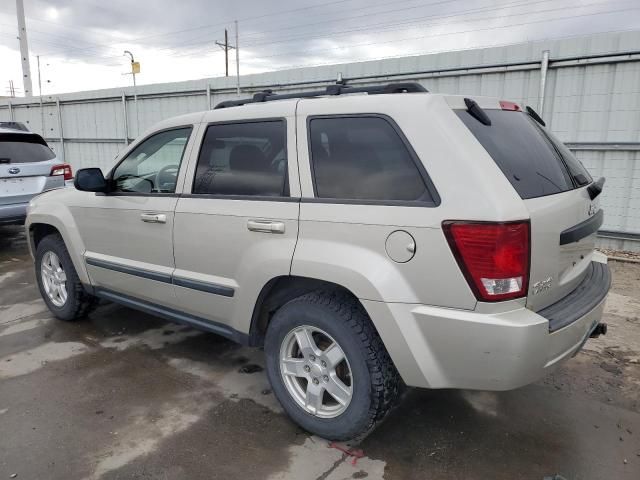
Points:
(49, 209)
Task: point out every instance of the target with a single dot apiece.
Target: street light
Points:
(135, 66)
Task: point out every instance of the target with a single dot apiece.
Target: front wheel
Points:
(58, 281)
(328, 366)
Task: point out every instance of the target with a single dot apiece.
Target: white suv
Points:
(27, 167)
(366, 237)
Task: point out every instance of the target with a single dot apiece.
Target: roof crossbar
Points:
(337, 89)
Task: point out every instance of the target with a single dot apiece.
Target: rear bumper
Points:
(436, 347)
(16, 213)
(584, 298)
(13, 214)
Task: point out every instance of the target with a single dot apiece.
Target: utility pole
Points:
(226, 53)
(39, 77)
(24, 48)
(226, 47)
(40, 95)
(237, 61)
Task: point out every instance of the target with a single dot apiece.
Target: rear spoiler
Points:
(595, 188)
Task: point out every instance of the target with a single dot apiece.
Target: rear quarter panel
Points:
(345, 243)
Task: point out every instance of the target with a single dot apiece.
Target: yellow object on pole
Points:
(135, 67)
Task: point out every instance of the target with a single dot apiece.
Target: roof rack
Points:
(337, 89)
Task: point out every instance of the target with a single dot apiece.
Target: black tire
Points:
(376, 382)
(79, 303)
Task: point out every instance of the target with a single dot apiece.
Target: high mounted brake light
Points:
(506, 105)
(494, 257)
(62, 169)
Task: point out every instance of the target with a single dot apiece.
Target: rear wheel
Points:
(328, 366)
(58, 281)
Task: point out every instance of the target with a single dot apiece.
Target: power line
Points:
(447, 34)
(404, 54)
(38, 40)
(209, 40)
(364, 15)
(404, 24)
(251, 18)
(347, 32)
(342, 18)
(449, 50)
(382, 24)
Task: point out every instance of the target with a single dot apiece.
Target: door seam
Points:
(295, 245)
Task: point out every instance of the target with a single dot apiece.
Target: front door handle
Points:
(153, 218)
(265, 226)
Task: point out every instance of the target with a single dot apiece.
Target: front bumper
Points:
(436, 347)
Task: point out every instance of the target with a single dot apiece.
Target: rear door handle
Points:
(153, 218)
(265, 226)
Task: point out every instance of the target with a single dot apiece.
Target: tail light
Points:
(494, 257)
(62, 169)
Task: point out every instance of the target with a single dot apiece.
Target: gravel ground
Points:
(622, 254)
(124, 395)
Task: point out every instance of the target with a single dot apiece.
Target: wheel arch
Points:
(37, 231)
(277, 292)
(40, 224)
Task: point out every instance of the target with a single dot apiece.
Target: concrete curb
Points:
(624, 260)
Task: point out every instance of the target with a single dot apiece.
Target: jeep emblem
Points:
(14, 170)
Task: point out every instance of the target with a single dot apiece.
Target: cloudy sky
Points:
(81, 42)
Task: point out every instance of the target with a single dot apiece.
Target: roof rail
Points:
(337, 89)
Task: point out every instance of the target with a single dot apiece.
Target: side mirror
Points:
(90, 180)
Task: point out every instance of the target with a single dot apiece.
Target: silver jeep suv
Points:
(367, 237)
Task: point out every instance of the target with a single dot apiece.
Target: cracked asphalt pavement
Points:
(124, 395)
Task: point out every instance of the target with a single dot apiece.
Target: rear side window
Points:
(248, 158)
(363, 158)
(23, 148)
(535, 162)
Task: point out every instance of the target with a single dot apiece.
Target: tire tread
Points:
(84, 302)
(386, 384)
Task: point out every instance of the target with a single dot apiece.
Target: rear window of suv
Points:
(23, 148)
(533, 160)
